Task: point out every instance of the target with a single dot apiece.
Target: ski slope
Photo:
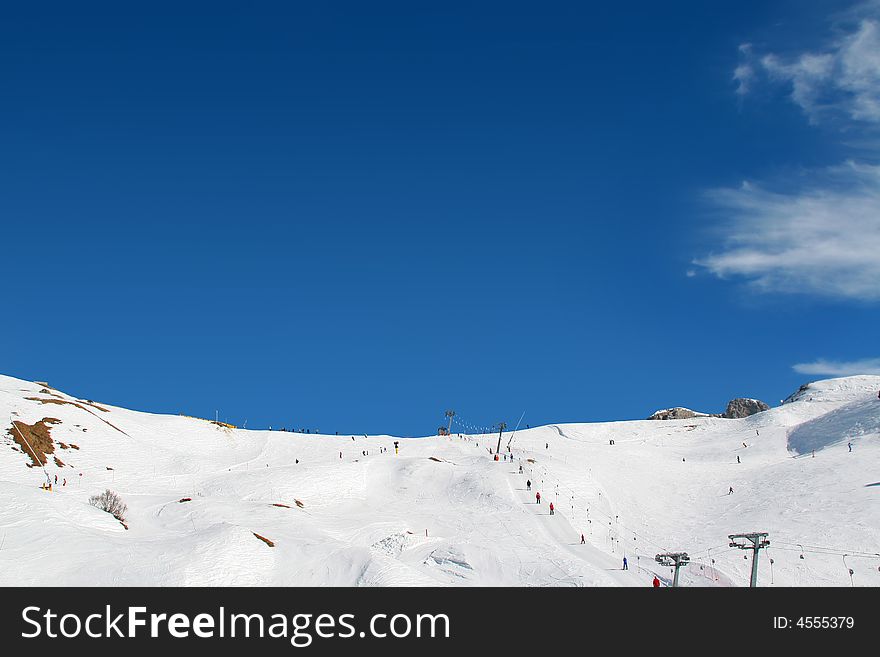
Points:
(442, 512)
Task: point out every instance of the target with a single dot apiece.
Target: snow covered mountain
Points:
(209, 504)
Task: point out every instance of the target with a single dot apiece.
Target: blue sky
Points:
(352, 216)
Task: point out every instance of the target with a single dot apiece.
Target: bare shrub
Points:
(111, 503)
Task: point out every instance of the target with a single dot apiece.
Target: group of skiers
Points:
(285, 429)
(655, 582)
(538, 497)
(49, 485)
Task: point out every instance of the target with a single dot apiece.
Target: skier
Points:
(730, 491)
(528, 484)
(551, 508)
(656, 582)
(625, 564)
(520, 468)
(538, 497)
(850, 446)
(583, 540)
(737, 460)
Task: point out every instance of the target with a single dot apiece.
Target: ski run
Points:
(209, 504)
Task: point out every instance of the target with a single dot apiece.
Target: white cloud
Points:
(822, 240)
(808, 76)
(860, 71)
(824, 367)
(841, 80)
(745, 72)
(743, 75)
(822, 236)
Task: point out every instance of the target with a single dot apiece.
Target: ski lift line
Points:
(707, 551)
(477, 428)
(720, 552)
(641, 536)
(481, 430)
(830, 553)
(515, 428)
(602, 513)
(830, 549)
(631, 531)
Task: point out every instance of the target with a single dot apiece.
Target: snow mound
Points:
(843, 389)
(851, 421)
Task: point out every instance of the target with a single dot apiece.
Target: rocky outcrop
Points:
(677, 413)
(736, 408)
(743, 407)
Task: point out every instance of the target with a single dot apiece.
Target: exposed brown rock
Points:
(35, 440)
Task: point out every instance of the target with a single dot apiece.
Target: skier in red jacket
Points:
(551, 508)
(656, 582)
(538, 497)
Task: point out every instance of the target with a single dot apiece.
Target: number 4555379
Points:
(814, 622)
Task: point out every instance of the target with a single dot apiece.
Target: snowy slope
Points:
(442, 512)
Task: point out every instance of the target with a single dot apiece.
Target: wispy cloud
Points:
(822, 240)
(821, 236)
(824, 367)
(745, 72)
(840, 80)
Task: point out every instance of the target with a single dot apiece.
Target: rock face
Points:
(677, 413)
(742, 407)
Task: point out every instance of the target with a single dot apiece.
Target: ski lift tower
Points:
(501, 427)
(753, 541)
(674, 559)
(450, 415)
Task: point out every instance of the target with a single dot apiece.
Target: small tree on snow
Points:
(111, 503)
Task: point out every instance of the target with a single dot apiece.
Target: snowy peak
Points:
(843, 389)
